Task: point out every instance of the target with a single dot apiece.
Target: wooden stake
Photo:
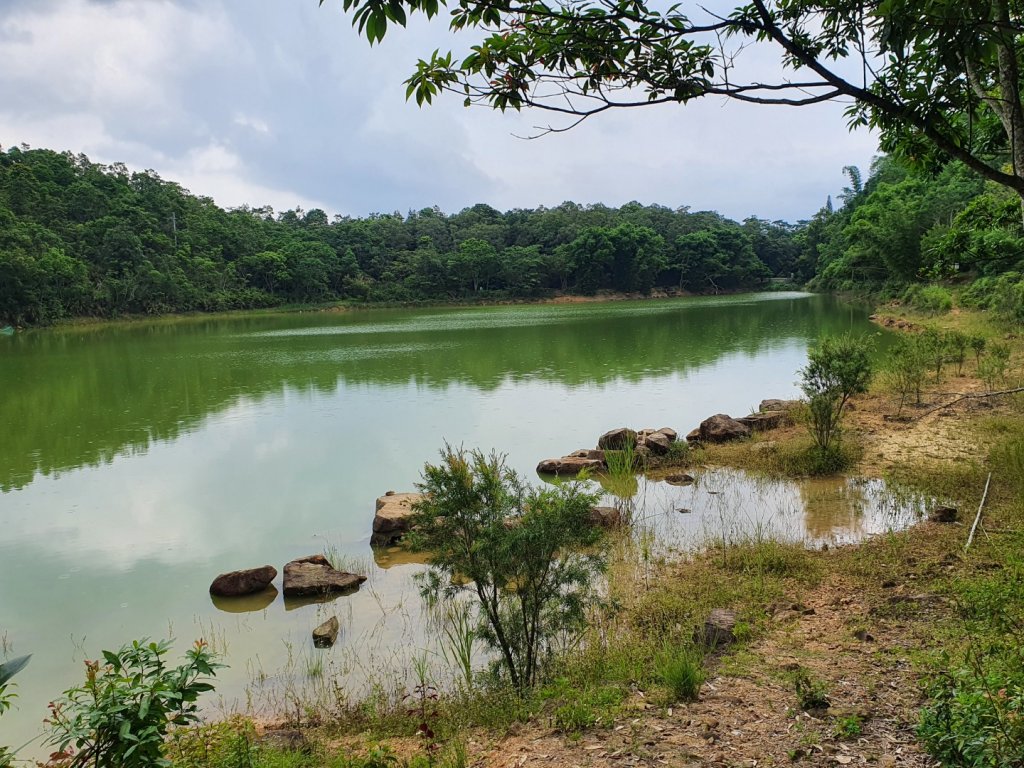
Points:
(977, 517)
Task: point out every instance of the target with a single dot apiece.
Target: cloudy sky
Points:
(279, 102)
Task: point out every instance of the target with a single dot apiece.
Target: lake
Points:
(139, 460)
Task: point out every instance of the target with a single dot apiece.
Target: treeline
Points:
(907, 235)
(78, 238)
(82, 239)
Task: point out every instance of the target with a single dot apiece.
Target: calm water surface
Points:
(138, 461)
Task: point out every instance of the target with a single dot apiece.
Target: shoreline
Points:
(340, 306)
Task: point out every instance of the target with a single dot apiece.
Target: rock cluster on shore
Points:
(644, 442)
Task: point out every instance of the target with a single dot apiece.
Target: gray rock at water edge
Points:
(944, 514)
(393, 516)
(569, 465)
(326, 634)
(721, 428)
(244, 582)
(693, 436)
(587, 453)
(719, 629)
(313, 575)
(617, 439)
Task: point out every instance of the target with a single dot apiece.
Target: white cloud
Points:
(285, 104)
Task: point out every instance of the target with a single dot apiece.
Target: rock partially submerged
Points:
(326, 634)
(314, 575)
(572, 465)
(944, 514)
(393, 517)
(244, 582)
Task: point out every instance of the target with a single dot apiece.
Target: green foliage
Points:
(9, 669)
(681, 671)
(810, 692)
(121, 715)
(975, 713)
(848, 727)
(992, 367)
(906, 367)
(837, 368)
(526, 554)
(143, 245)
(933, 299)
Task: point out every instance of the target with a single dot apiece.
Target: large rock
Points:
(762, 421)
(326, 634)
(617, 439)
(314, 575)
(245, 582)
(778, 405)
(394, 516)
(657, 442)
(606, 517)
(721, 428)
(569, 465)
(718, 630)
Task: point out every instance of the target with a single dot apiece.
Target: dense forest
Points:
(82, 239)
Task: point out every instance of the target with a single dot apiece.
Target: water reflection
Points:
(258, 601)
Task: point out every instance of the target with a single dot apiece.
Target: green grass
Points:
(680, 669)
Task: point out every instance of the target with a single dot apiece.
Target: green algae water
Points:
(138, 461)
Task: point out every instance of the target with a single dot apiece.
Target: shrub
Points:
(121, 715)
(526, 554)
(837, 368)
(681, 671)
(933, 299)
(906, 367)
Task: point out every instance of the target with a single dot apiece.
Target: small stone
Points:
(606, 517)
(680, 478)
(326, 634)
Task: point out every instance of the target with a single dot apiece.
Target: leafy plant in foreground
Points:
(8, 670)
(121, 715)
(525, 553)
(837, 368)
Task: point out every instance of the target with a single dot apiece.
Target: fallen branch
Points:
(977, 518)
(969, 396)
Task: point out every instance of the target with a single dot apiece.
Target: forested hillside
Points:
(82, 239)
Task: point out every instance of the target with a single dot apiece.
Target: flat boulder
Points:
(721, 428)
(670, 433)
(569, 465)
(314, 575)
(617, 439)
(762, 421)
(393, 517)
(775, 404)
(326, 634)
(244, 582)
(679, 478)
(606, 517)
